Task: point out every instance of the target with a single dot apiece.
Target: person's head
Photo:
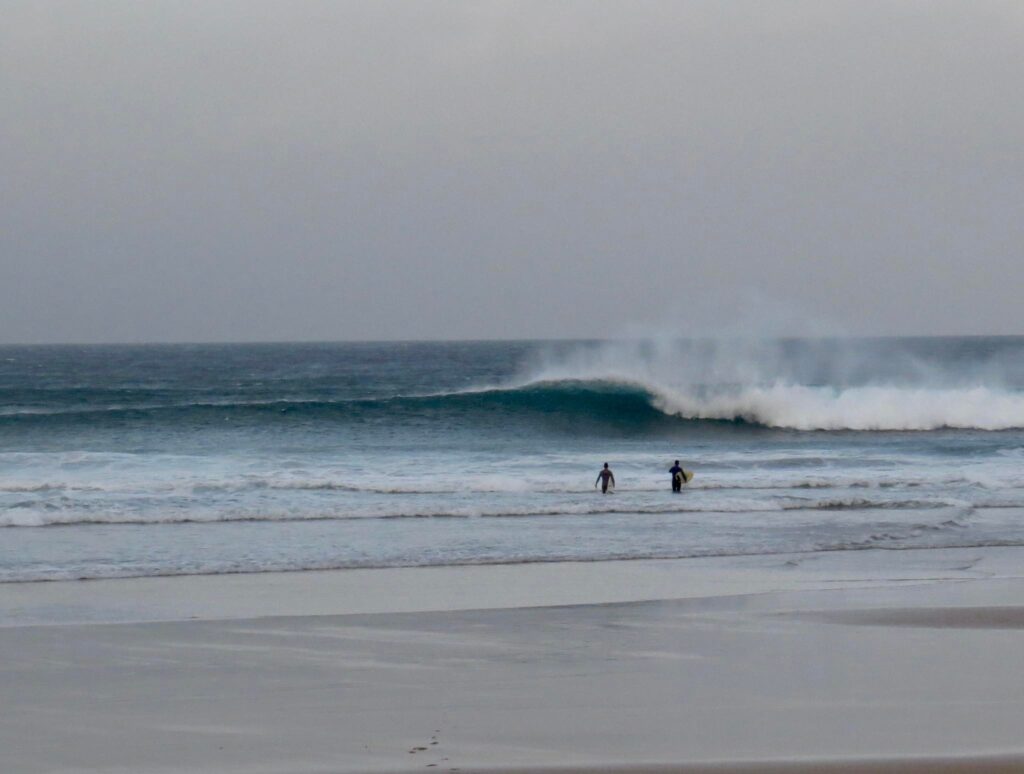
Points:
(606, 465)
(677, 462)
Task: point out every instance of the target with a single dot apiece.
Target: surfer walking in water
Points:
(605, 476)
(678, 476)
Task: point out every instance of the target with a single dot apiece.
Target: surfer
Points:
(604, 477)
(678, 476)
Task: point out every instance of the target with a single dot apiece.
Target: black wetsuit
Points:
(677, 478)
(605, 476)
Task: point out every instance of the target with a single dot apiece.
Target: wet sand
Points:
(901, 661)
(967, 765)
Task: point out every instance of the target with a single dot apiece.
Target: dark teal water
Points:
(140, 460)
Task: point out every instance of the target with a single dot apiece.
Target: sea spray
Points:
(799, 385)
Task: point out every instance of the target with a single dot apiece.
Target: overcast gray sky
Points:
(195, 171)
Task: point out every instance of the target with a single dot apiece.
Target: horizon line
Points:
(515, 340)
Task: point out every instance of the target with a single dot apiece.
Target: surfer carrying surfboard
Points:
(604, 477)
(678, 477)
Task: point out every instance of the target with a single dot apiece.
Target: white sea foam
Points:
(799, 407)
(29, 516)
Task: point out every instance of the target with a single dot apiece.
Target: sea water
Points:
(119, 461)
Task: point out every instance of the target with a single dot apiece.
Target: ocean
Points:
(125, 461)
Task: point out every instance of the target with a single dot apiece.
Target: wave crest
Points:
(781, 406)
(626, 403)
(800, 407)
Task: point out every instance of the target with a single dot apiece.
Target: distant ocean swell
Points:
(774, 405)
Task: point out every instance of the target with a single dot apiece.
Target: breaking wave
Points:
(614, 401)
(800, 407)
(780, 406)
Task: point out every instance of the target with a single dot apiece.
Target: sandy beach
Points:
(878, 661)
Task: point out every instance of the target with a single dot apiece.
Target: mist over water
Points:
(246, 458)
(893, 384)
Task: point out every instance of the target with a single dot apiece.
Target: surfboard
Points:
(686, 475)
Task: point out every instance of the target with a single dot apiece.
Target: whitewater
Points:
(786, 406)
(161, 460)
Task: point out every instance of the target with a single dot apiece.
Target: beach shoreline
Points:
(488, 586)
(886, 661)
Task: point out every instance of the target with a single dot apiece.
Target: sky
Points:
(242, 170)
